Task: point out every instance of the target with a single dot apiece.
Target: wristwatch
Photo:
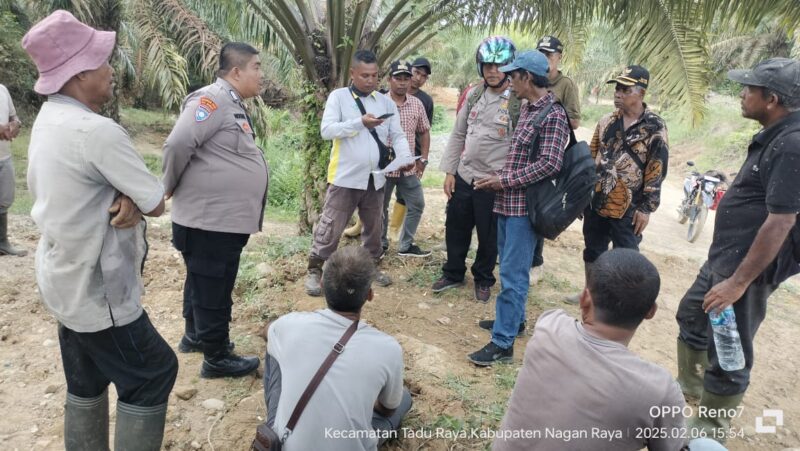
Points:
(424, 161)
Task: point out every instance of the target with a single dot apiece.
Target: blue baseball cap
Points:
(532, 61)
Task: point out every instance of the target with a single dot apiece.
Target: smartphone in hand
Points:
(386, 116)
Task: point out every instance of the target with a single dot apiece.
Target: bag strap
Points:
(619, 124)
(337, 350)
(363, 112)
(538, 122)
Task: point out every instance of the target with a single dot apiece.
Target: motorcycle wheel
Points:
(697, 223)
(682, 216)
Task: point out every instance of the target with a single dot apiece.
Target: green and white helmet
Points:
(494, 50)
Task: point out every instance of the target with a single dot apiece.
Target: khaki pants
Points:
(340, 203)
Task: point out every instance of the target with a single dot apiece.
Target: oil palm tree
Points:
(669, 36)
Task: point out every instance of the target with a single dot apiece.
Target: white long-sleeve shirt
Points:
(355, 154)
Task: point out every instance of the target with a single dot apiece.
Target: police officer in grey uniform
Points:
(218, 179)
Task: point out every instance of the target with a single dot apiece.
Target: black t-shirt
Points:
(427, 102)
(768, 182)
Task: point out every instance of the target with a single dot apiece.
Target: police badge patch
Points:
(204, 109)
(201, 114)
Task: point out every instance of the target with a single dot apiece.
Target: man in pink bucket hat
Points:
(90, 189)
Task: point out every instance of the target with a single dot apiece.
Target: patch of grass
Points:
(153, 163)
(505, 376)
(282, 150)
(443, 120)
(137, 120)
(424, 275)
(557, 283)
(448, 422)
(433, 178)
(23, 201)
(237, 389)
(591, 114)
(279, 214)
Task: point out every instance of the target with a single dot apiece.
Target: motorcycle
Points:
(702, 192)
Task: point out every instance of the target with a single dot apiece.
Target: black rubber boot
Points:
(139, 428)
(5, 246)
(86, 423)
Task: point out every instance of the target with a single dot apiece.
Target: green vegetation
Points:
(281, 145)
(442, 121)
(136, 121)
(23, 202)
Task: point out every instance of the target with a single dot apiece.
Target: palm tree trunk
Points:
(316, 152)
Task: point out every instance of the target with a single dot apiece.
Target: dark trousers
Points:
(599, 232)
(212, 261)
(696, 331)
(134, 357)
(538, 253)
(467, 209)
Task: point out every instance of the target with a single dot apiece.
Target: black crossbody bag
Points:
(387, 154)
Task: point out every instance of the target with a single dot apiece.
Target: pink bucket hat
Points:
(62, 47)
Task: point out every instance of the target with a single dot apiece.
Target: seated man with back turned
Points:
(578, 376)
(360, 401)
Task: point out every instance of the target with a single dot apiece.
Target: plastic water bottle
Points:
(726, 338)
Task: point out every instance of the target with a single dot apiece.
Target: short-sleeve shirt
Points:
(766, 183)
(414, 122)
(89, 273)
(7, 111)
(212, 166)
(369, 369)
(481, 137)
(567, 93)
(572, 381)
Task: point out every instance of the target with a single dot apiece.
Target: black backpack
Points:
(553, 204)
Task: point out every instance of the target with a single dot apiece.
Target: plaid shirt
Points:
(519, 170)
(413, 120)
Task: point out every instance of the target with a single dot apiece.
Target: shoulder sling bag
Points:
(266, 437)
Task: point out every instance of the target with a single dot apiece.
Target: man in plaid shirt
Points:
(516, 239)
(413, 120)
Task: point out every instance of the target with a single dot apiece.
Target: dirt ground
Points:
(436, 332)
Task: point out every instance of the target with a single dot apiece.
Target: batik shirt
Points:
(632, 164)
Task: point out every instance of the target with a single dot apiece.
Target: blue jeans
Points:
(516, 242)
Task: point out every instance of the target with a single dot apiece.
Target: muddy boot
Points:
(575, 299)
(313, 283)
(692, 366)
(355, 230)
(86, 423)
(717, 409)
(5, 247)
(139, 428)
(396, 221)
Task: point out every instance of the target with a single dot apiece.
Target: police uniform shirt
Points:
(216, 173)
(484, 133)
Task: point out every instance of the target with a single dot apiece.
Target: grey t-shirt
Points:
(339, 415)
(574, 384)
